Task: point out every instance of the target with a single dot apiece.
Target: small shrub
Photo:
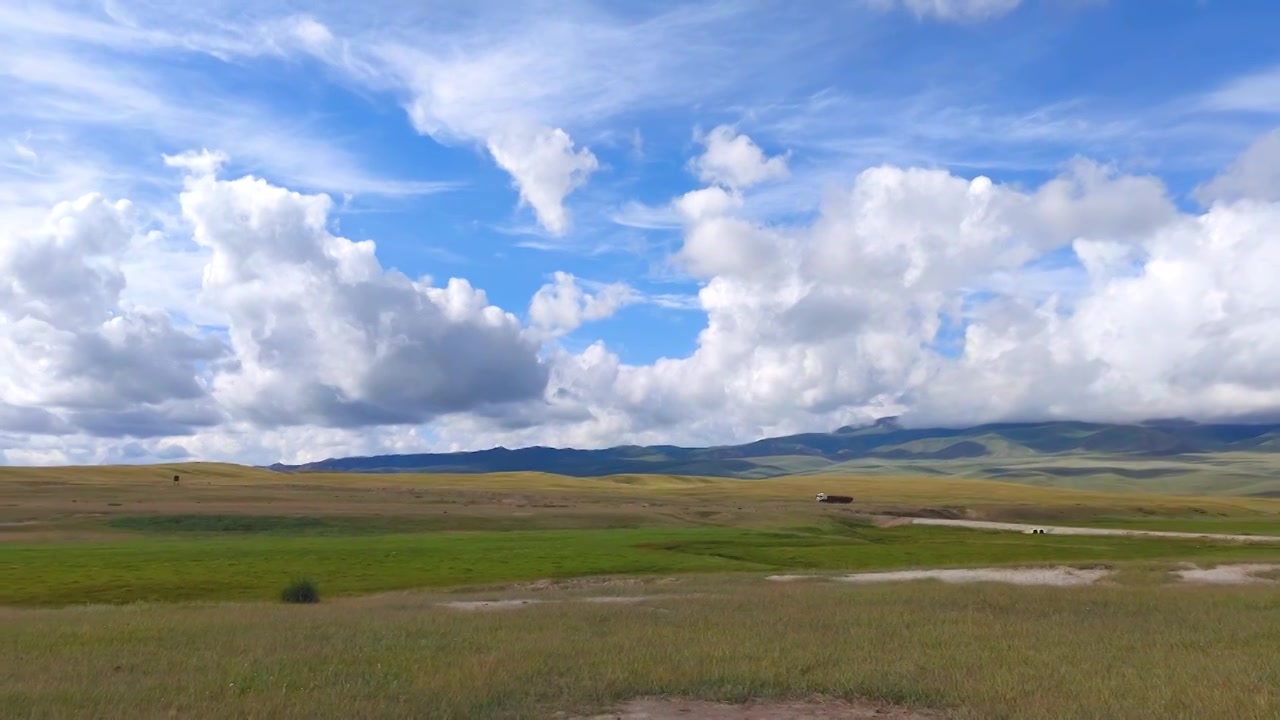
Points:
(301, 591)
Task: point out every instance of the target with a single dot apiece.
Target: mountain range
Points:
(884, 442)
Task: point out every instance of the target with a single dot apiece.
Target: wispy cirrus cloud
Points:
(82, 74)
(1257, 92)
(951, 10)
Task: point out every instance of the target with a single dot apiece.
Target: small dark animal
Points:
(825, 498)
(175, 479)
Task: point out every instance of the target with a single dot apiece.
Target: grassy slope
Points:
(1228, 474)
(1043, 453)
(884, 486)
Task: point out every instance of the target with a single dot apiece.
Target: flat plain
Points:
(528, 595)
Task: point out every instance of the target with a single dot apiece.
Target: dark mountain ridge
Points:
(810, 452)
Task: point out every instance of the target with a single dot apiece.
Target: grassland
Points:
(1243, 474)
(256, 567)
(973, 651)
(176, 585)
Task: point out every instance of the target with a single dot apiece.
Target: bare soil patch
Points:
(529, 602)
(489, 604)
(620, 599)
(1065, 530)
(664, 709)
(1060, 576)
(888, 521)
(589, 582)
(1240, 574)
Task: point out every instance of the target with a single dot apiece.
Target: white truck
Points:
(825, 498)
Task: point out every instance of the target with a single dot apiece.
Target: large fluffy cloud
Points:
(73, 356)
(1158, 313)
(316, 331)
(324, 335)
(1090, 296)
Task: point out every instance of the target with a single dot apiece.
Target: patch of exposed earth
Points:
(664, 709)
(527, 602)
(589, 582)
(1064, 530)
(489, 604)
(1057, 576)
(1241, 574)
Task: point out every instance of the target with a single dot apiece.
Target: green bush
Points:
(301, 591)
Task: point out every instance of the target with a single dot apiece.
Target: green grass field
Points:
(128, 596)
(253, 567)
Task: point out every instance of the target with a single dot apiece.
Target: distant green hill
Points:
(1061, 453)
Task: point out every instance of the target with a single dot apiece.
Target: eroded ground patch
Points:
(1058, 576)
(515, 603)
(668, 709)
(1239, 574)
(1055, 576)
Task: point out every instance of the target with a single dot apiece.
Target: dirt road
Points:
(1061, 530)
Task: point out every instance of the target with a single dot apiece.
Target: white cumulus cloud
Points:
(545, 167)
(74, 357)
(811, 327)
(734, 160)
(324, 335)
(562, 306)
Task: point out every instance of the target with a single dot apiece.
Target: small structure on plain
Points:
(825, 498)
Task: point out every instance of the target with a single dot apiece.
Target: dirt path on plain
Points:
(670, 709)
(1059, 576)
(1063, 530)
(1056, 576)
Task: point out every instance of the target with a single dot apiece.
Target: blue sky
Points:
(505, 142)
(1090, 64)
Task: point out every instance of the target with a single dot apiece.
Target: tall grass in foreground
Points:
(977, 651)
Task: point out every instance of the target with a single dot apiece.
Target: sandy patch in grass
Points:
(489, 604)
(1063, 530)
(1060, 576)
(519, 603)
(588, 582)
(791, 578)
(623, 599)
(1241, 574)
(661, 709)
(889, 521)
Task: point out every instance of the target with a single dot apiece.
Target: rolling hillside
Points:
(1235, 458)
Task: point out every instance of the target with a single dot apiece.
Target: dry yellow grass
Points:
(232, 483)
(980, 651)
